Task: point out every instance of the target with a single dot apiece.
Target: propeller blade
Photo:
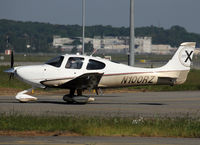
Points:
(11, 76)
(12, 60)
(11, 70)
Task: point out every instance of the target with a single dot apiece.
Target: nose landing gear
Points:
(23, 97)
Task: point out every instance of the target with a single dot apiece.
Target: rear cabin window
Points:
(74, 63)
(95, 65)
(56, 62)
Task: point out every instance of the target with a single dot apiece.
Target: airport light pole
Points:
(132, 35)
(83, 25)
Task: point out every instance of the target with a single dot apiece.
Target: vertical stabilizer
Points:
(182, 59)
(180, 63)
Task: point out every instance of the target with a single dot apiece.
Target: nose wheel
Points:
(23, 97)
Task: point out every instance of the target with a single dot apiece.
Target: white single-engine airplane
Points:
(79, 72)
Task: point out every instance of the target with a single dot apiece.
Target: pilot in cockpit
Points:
(73, 63)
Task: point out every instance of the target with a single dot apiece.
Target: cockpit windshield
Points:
(57, 61)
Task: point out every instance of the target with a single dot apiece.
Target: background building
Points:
(109, 44)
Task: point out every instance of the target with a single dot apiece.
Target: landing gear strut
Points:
(79, 98)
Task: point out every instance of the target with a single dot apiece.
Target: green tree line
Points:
(40, 35)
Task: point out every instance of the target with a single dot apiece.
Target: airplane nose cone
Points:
(22, 72)
(18, 72)
(29, 72)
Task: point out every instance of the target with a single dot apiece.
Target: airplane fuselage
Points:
(114, 74)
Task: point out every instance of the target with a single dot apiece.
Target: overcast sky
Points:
(164, 13)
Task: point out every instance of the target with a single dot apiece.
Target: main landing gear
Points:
(79, 98)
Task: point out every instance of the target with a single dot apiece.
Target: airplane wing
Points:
(85, 81)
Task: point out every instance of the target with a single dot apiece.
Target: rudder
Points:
(182, 59)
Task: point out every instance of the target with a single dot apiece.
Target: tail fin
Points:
(179, 66)
(182, 58)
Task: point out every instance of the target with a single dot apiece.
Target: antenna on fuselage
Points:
(95, 50)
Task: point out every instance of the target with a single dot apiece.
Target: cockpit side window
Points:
(56, 62)
(74, 63)
(95, 65)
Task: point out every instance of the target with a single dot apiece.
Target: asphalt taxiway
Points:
(147, 104)
(77, 140)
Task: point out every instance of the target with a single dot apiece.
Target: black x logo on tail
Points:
(188, 55)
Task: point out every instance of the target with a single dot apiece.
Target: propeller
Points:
(11, 65)
(11, 70)
(12, 59)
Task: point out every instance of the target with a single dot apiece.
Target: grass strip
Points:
(101, 126)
